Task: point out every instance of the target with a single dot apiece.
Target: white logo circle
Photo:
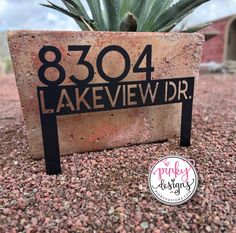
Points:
(173, 180)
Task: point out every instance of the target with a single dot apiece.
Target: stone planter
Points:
(172, 56)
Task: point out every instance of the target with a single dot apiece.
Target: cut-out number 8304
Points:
(55, 63)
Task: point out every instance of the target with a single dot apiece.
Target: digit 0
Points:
(100, 62)
(48, 64)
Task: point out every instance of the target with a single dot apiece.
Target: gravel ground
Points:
(107, 191)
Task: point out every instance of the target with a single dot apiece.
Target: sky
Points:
(28, 14)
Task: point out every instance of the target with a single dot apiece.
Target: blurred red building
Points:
(220, 45)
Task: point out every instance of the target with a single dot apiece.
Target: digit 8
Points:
(47, 64)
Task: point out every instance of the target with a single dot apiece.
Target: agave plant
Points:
(129, 15)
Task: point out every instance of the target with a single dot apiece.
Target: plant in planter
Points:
(132, 15)
(96, 89)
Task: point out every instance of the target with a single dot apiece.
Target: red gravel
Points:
(108, 191)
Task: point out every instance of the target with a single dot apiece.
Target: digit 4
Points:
(147, 52)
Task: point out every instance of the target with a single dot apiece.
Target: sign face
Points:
(89, 91)
(173, 180)
(113, 94)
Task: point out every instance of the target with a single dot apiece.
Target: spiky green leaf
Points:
(137, 8)
(166, 5)
(197, 28)
(123, 6)
(87, 23)
(147, 7)
(112, 12)
(153, 15)
(150, 15)
(98, 17)
(77, 8)
(175, 14)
